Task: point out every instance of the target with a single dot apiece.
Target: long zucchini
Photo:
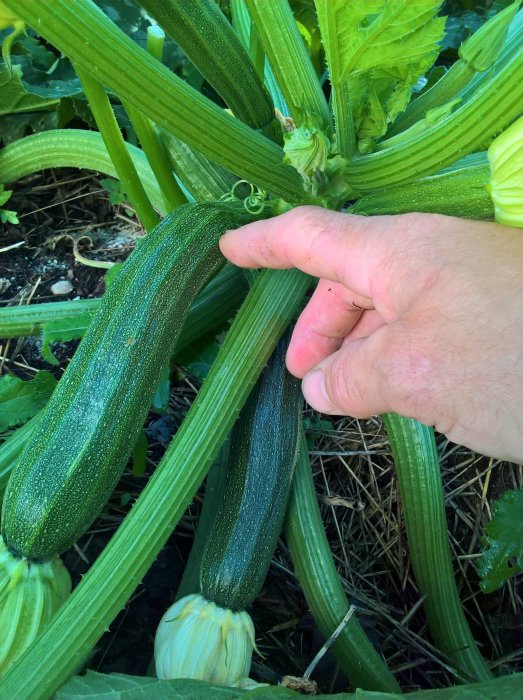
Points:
(209, 635)
(82, 441)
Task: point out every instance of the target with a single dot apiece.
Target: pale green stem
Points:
(115, 144)
(419, 477)
(104, 590)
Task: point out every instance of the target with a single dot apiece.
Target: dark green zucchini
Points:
(83, 439)
(263, 454)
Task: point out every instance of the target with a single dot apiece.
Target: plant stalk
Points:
(419, 477)
(113, 139)
(319, 580)
(289, 59)
(460, 192)
(107, 586)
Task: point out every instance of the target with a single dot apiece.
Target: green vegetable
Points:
(209, 635)
(78, 450)
(264, 450)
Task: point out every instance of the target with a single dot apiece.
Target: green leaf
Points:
(121, 687)
(379, 49)
(502, 555)
(14, 96)
(118, 686)
(62, 330)
(21, 400)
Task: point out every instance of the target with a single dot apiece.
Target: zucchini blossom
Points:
(30, 594)
(505, 156)
(307, 149)
(199, 639)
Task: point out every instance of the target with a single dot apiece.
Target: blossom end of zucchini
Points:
(201, 640)
(30, 594)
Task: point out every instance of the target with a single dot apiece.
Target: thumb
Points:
(350, 382)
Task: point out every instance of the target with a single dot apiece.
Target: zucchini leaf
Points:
(502, 555)
(118, 686)
(21, 400)
(62, 330)
(376, 52)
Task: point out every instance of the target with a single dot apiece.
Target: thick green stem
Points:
(103, 591)
(319, 580)
(72, 148)
(492, 107)
(113, 139)
(203, 33)
(289, 59)
(157, 156)
(89, 38)
(447, 87)
(419, 478)
(454, 193)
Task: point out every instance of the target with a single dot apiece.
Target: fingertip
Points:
(315, 392)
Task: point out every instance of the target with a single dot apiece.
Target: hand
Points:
(418, 314)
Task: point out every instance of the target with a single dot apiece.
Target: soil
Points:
(353, 473)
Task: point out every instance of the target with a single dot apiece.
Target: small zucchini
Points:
(241, 540)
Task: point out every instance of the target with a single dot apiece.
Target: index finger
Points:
(323, 243)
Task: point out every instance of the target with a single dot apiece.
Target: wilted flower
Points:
(30, 594)
(198, 639)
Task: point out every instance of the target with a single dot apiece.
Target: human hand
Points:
(419, 314)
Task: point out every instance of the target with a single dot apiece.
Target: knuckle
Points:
(345, 389)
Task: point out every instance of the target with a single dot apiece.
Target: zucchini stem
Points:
(419, 478)
(321, 585)
(113, 139)
(104, 590)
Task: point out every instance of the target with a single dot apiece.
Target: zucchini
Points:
(241, 540)
(83, 440)
(264, 451)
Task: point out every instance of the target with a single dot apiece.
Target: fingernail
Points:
(315, 392)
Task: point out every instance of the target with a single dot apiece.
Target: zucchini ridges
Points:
(84, 436)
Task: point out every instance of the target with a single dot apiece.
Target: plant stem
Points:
(157, 156)
(106, 587)
(89, 38)
(113, 139)
(492, 107)
(419, 478)
(319, 580)
(460, 192)
(289, 59)
(72, 148)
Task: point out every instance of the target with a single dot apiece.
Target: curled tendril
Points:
(253, 203)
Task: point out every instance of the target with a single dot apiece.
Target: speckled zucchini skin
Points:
(82, 442)
(263, 454)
